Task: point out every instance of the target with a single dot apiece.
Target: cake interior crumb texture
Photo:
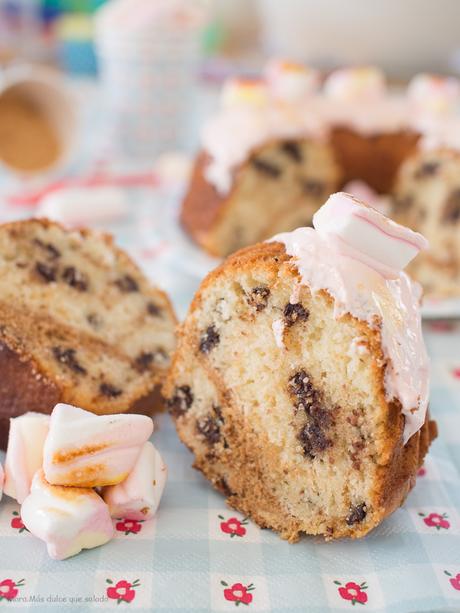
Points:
(297, 435)
(78, 316)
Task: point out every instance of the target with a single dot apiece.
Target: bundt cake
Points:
(300, 379)
(79, 323)
(278, 146)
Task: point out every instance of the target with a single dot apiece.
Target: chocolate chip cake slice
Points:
(292, 399)
(79, 323)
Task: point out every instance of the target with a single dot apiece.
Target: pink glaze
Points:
(388, 304)
(234, 132)
(353, 98)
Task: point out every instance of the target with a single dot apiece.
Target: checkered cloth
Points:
(199, 556)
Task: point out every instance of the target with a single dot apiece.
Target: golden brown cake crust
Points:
(238, 467)
(30, 379)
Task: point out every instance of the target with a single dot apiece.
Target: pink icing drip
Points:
(359, 289)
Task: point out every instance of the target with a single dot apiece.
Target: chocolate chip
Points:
(294, 313)
(68, 357)
(109, 390)
(143, 361)
(313, 439)
(223, 486)
(292, 149)
(313, 187)
(301, 387)
(356, 514)
(127, 284)
(209, 340)
(181, 402)
(94, 320)
(266, 168)
(53, 253)
(209, 428)
(259, 297)
(153, 309)
(427, 169)
(451, 213)
(47, 272)
(146, 359)
(76, 279)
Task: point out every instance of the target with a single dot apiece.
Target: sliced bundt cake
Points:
(79, 323)
(300, 378)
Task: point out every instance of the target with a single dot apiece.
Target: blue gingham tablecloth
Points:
(199, 556)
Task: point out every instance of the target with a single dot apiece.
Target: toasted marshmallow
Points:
(244, 92)
(2, 479)
(434, 94)
(67, 519)
(367, 235)
(364, 83)
(24, 455)
(139, 495)
(291, 82)
(87, 450)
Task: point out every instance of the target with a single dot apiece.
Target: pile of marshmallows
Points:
(72, 472)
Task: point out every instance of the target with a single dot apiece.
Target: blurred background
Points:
(142, 74)
(102, 101)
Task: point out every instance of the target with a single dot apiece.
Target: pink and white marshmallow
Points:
(24, 455)
(365, 234)
(360, 84)
(291, 82)
(2, 480)
(87, 450)
(138, 496)
(67, 519)
(434, 94)
(244, 93)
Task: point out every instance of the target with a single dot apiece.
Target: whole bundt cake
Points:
(278, 146)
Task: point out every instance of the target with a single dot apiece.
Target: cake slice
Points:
(79, 323)
(300, 379)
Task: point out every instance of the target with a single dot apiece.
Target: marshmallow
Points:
(2, 479)
(365, 84)
(67, 519)
(367, 235)
(241, 92)
(80, 206)
(24, 455)
(291, 82)
(87, 450)
(434, 94)
(139, 495)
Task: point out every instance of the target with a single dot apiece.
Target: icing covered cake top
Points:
(288, 103)
(357, 255)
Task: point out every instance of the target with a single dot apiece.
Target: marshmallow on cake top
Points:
(291, 82)
(67, 519)
(24, 455)
(138, 496)
(87, 450)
